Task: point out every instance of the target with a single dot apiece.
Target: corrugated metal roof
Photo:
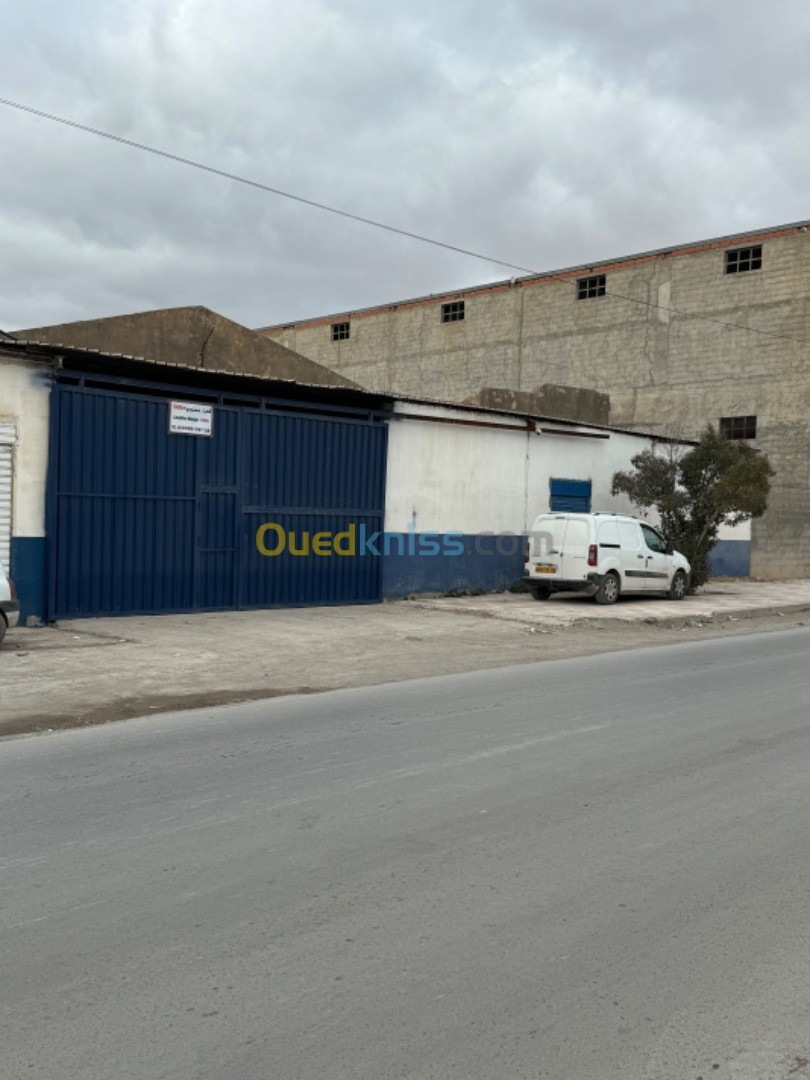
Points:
(339, 392)
(192, 335)
(56, 347)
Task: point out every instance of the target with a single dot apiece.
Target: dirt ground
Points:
(98, 670)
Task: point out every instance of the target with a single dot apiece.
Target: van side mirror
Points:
(669, 548)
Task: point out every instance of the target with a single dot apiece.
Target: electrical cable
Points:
(180, 159)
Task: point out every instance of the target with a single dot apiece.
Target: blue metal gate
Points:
(142, 520)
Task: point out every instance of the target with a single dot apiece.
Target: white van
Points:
(602, 555)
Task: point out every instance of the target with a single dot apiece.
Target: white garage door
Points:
(6, 444)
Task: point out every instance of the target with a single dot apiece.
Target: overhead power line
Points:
(256, 184)
(203, 167)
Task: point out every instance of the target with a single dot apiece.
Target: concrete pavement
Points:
(95, 670)
(591, 869)
(716, 600)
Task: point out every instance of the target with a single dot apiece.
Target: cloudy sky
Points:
(538, 132)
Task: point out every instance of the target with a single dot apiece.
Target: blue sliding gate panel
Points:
(310, 476)
(124, 505)
(142, 520)
(570, 496)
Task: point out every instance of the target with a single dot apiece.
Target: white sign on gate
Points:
(189, 418)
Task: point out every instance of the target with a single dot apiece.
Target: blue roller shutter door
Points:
(570, 496)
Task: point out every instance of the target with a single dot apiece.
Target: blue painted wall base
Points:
(408, 575)
(28, 571)
(484, 569)
(730, 558)
(403, 575)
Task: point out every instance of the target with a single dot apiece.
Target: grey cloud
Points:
(540, 133)
(744, 58)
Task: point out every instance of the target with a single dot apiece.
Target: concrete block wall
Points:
(666, 370)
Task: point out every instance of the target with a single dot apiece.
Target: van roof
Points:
(591, 514)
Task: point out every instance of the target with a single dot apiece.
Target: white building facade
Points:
(465, 484)
(24, 417)
(106, 509)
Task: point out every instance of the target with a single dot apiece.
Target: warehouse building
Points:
(715, 331)
(137, 486)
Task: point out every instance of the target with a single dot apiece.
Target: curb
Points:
(723, 615)
(697, 619)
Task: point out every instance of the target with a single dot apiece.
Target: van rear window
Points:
(547, 534)
(576, 534)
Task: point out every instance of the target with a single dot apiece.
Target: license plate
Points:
(544, 569)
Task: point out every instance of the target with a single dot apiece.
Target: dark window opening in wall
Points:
(589, 287)
(744, 259)
(340, 331)
(738, 427)
(453, 312)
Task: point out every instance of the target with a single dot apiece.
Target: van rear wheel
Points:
(540, 592)
(609, 588)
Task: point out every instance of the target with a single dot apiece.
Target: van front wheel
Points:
(677, 590)
(608, 591)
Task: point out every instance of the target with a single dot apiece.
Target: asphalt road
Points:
(595, 869)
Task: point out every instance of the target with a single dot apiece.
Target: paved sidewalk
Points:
(94, 670)
(718, 599)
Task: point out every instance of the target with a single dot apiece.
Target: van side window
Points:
(608, 535)
(653, 540)
(629, 535)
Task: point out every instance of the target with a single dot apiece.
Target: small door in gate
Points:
(215, 549)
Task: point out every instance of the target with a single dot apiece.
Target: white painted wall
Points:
(454, 477)
(567, 457)
(448, 477)
(8, 440)
(735, 532)
(24, 404)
